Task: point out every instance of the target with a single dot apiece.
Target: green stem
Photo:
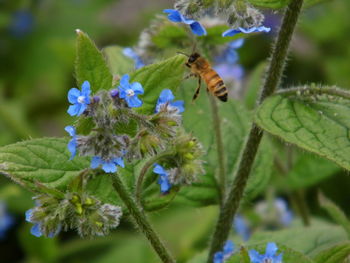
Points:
(219, 147)
(148, 164)
(274, 73)
(141, 220)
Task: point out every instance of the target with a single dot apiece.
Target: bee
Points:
(201, 69)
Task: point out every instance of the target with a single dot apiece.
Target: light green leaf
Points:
(336, 254)
(118, 63)
(335, 212)
(274, 4)
(197, 118)
(308, 240)
(90, 64)
(167, 74)
(44, 160)
(314, 118)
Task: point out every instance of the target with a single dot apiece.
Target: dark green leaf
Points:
(313, 118)
(90, 64)
(338, 253)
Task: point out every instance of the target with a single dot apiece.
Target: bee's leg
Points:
(189, 76)
(198, 89)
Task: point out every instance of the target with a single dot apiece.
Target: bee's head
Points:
(192, 58)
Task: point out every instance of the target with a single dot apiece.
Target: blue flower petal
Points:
(236, 43)
(35, 230)
(232, 32)
(241, 227)
(178, 104)
(73, 110)
(124, 81)
(85, 89)
(271, 249)
(254, 256)
(165, 96)
(158, 169)
(164, 183)
(119, 161)
(29, 214)
(278, 259)
(198, 29)
(129, 52)
(72, 148)
(109, 167)
(73, 95)
(133, 102)
(174, 15)
(137, 88)
(218, 257)
(228, 248)
(82, 109)
(70, 130)
(96, 161)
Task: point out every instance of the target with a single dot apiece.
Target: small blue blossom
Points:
(285, 213)
(163, 180)
(22, 23)
(166, 96)
(231, 32)
(79, 99)
(230, 55)
(176, 16)
(6, 220)
(129, 52)
(269, 256)
(35, 230)
(129, 92)
(222, 256)
(72, 144)
(241, 227)
(107, 166)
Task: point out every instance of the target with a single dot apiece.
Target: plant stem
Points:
(148, 164)
(141, 220)
(272, 80)
(219, 147)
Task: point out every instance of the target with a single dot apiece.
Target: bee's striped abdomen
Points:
(215, 84)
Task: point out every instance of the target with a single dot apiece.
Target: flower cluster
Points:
(75, 209)
(269, 256)
(225, 254)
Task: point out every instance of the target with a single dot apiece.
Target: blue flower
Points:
(22, 23)
(129, 92)
(166, 96)
(286, 215)
(79, 99)
(35, 230)
(129, 52)
(163, 180)
(107, 166)
(241, 227)
(176, 16)
(269, 256)
(222, 256)
(72, 145)
(6, 220)
(229, 54)
(231, 32)
(229, 72)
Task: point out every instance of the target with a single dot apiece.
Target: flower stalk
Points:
(274, 74)
(141, 220)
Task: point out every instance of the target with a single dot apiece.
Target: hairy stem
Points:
(141, 220)
(219, 147)
(145, 168)
(272, 80)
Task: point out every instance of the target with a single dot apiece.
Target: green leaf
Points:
(314, 118)
(308, 240)
(254, 85)
(336, 254)
(90, 64)
(40, 160)
(274, 4)
(167, 74)
(197, 119)
(335, 212)
(118, 63)
(170, 35)
(308, 170)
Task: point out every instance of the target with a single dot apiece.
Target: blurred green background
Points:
(37, 49)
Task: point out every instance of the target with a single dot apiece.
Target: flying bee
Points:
(201, 69)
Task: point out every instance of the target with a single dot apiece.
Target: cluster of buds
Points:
(75, 209)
